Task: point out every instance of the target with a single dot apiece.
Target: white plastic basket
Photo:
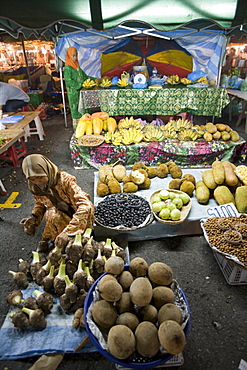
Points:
(176, 360)
(234, 274)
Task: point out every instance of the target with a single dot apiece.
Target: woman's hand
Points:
(61, 240)
(29, 224)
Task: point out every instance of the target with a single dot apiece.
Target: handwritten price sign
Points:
(225, 210)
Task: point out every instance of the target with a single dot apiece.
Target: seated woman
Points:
(12, 97)
(67, 207)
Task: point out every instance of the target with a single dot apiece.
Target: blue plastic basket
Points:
(136, 362)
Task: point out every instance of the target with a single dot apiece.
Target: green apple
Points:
(185, 198)
(164, 194)
(157, 207)
(156, 199)
(175, 215)
(164, 214)
(178, 202)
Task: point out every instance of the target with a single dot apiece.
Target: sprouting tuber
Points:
(48, 280)
(71, 289)
(80, 276)
(14, 298)
(42, 272)
(20, 320)
(55, 256)
(44, 300)
(36, 318)
(99, 263)
(108, 248)
(35, 265)
(59, 280)
(30, 302)
(88, 251)
(24, 266)
(74, 249)
(86, 236)
(90, 279)
(19, 279)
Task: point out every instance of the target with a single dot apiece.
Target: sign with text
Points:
(225, 210)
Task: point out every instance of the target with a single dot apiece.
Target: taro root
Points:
(44, 300)
(128, 319)
(71, 290)
(31, 303)
(171, 337)
(138, 267)
(90, 279)
(65, 302)
(170, 312)
(14, 298)
(35, 265)
(147, 341)
(59, 280)
(24, 266)
(86, 236)
(120, 252)
(88, 251)
(160, 273)
(81, 298)
(71, 268)
(125, 279)
(74, 249)
(80, 276)
(104, 314)
(99, 263)
(99, 245)
(114, 265)
(20, 320)
(48, 280)
(108, 248)
(19, 279)
(121, 341)
(141, 291)
(77, 318)
(55, 256)
(42, 272)
(36, 318)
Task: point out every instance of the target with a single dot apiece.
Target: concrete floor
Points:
(218, 335)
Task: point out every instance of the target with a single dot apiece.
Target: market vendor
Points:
(12, 97)
(67, 207)
(74, 77)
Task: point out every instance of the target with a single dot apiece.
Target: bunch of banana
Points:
(173, 79)
(178, 125)
(105, 83)
(129, 122)
(117, 138)
(154, 134)
(131, 135)
(188, 135)
(185, 81)
(88, 83)
(122, 82)
(170, 134)
(202, 79)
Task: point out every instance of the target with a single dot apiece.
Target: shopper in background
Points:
(74, 78)
(12, 97)
(230, 61)
(67, 208)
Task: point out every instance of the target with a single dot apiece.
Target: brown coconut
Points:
(160, 273)
(171, 337)
(147, 340)
(141, 291)
(121, 341)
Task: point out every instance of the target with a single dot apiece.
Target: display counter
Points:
(185, 153)
(156, 229)
(169, 101)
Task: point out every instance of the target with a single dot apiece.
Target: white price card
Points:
(225, 210)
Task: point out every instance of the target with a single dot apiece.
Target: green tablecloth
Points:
(166, 101)
(185, 153)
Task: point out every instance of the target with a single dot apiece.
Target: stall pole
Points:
(63, 97)
(25, 57)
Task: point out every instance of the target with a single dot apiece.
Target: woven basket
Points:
(184, 211)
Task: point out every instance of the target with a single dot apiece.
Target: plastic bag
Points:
(243, 86)
(193, 76)
(234, 82)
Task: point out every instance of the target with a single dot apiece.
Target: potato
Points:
(147, 341)
(141, 291)
(121, 341)
(171, 337)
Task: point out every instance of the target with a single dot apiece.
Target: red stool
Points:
(14, 154)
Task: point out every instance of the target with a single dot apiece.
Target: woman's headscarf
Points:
(39, 165)
(70, 51)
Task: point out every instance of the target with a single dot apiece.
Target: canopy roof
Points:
(58, 17)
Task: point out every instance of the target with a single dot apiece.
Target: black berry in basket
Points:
(126, 210)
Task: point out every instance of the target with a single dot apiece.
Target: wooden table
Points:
(9, 151)
(240, 95)
(24, 124)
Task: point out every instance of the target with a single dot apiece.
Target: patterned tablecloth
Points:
(185, 153)
(166, 101)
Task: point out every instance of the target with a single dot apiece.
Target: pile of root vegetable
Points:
(138, 311)
(66, 273)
